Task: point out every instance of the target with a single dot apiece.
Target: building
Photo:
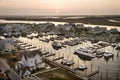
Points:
(66, 27)
(7, 45)
(14, 28)
(98, 30)
(30, 61)
(80, 26)
(113, 30)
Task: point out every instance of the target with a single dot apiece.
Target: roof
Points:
(24, 69)
(29, 54)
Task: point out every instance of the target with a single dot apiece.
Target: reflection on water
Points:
(109, 69)
(56, 23)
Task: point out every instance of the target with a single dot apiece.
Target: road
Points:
(12, 74)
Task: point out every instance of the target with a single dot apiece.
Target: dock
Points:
(26, 45)
(92, 74)
(70, 70)
(31, 47)
(65, 67)
(50, 55)
(22, 44)
(58, 58)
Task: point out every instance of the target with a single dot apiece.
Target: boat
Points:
(97, 46)
(102, 43)
(99, 54)
(82, 67)
(67, 62)
(30, 37)
(91, 49)
(46, 40)
(113, 44)
(108, 55)
(7, 35)
(73, 42)
(52, 38)
(56, 44)
(84, 53)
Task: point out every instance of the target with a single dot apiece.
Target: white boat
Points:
(82, 67)
(91, 49)
(67, 62)
(56, 44)
(102, 43)
(113, 44)
(108, 54)
(84, 52)
(99, 54)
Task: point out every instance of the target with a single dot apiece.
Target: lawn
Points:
(58, 74)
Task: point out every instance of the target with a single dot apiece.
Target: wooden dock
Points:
(30, 47)
(92, 74)
(26, 45)
(58, 58)
(22, 44)
(50, 55)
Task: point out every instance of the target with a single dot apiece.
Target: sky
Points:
(59, 7)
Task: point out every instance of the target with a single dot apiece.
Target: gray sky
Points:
(59, 7)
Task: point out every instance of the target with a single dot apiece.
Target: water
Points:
(56, 23)
(109, 69)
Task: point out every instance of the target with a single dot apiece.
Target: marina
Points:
(83, 56)
(59, 40)
(69, 54)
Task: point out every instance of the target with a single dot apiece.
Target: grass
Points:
(58, 74)
(10, 57)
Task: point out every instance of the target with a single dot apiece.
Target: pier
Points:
(50, 55)
(58, 58)
(92, 74)
(31, 47)
(22, 44)
(26, 45)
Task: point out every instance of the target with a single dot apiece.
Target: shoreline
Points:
(93, 20)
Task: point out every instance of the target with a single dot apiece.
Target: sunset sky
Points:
(59, 7)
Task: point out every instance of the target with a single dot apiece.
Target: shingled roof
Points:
(29, 54)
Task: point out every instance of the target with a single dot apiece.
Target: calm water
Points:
(110, 69)
(56, 23)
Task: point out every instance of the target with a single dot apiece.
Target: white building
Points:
(30, 61)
